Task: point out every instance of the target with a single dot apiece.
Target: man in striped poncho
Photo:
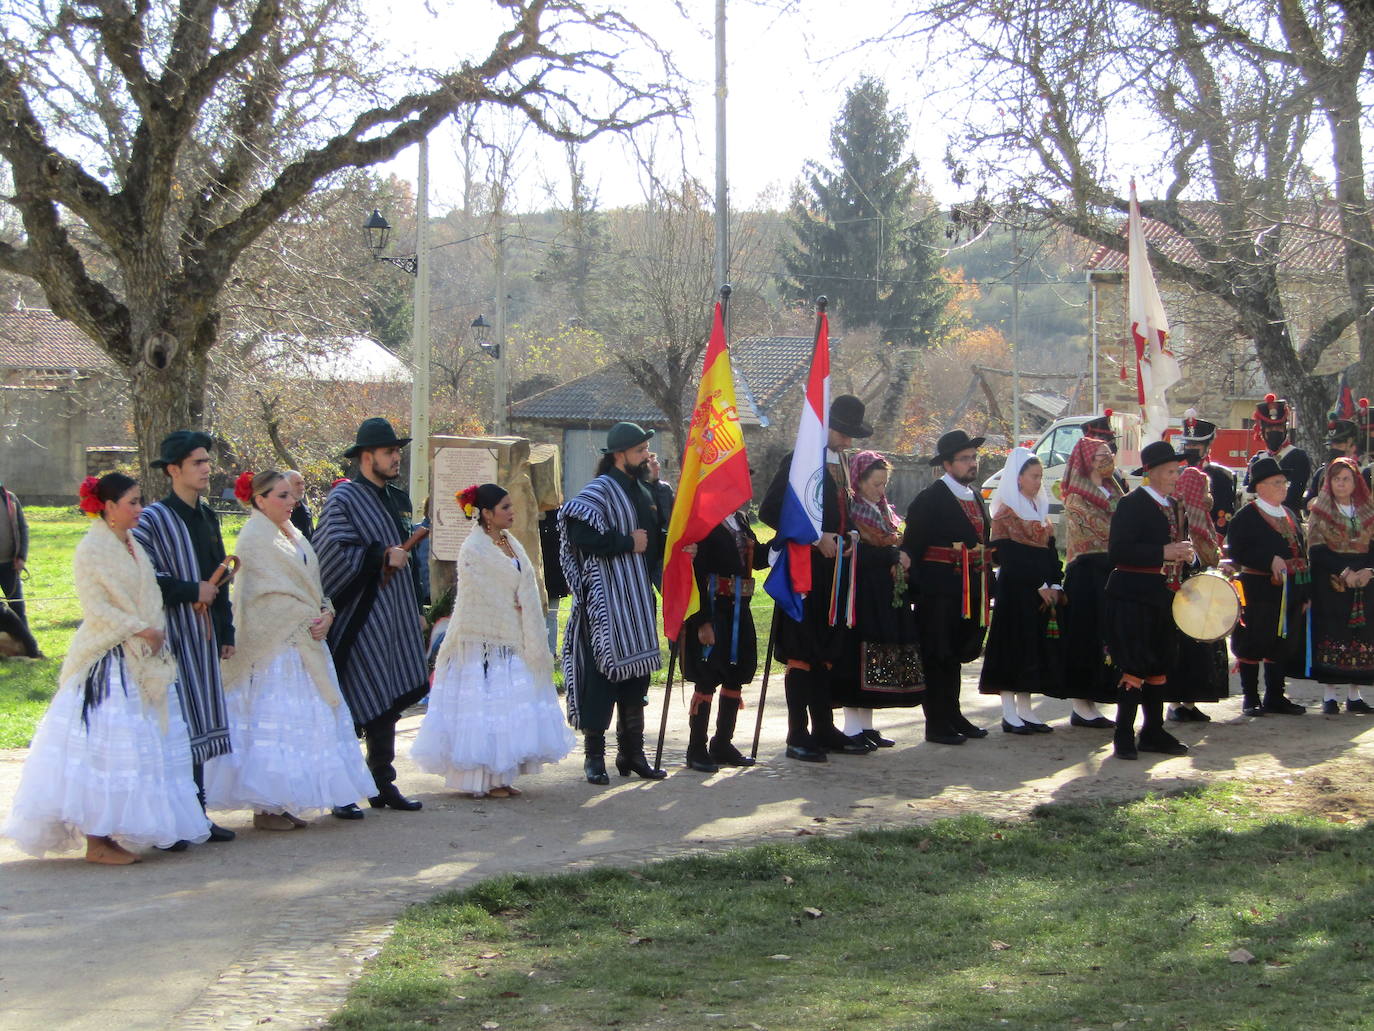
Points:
(610, 540)
(376, 638)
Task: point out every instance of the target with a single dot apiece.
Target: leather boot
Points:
(629, 739)
(697, 756)
(1249, 688)
(1123, 737)
(1275, 700)
(594, 758)
(722, 748)
(1153, 736)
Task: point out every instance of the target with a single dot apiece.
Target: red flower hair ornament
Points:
(467, 498)
(243, 488)
(88, 500)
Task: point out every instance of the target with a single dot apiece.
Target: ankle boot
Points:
(594, 758)
(698, 758)
(1123, 737)
(1249, 689)
(629, 739)
(1275, 700)
(722, 748)
(796, 688)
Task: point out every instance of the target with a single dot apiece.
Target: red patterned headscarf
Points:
(1324, 505)
(1078, 478)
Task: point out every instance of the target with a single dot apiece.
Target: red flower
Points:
(243, 488)
(467, 498)
(89, 502)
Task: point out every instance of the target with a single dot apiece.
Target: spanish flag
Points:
(715, 478)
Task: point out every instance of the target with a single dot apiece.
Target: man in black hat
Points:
(946, 538)
(182, 537)
(377, 637)
(1196, 440)
(609, 541)
(1267, 546)
(1148, 547)
(1273, 425)
(812, 648)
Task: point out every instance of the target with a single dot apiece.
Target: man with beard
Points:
(609, 542)
(946, 537)
(1273, 418)
(377, 637)
(181, 535)
(814, 646)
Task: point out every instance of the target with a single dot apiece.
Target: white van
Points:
(1056, 444)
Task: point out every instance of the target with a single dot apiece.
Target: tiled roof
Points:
(1312, 240)
(767, 370)
(35, 338)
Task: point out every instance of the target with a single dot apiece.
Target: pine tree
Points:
(860, 236)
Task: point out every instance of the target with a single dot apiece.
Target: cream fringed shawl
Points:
(276, 598)
(119, 598)
(487, 590)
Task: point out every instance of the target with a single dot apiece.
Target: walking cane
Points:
(667, 693)
(763, 691)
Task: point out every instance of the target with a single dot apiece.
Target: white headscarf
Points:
(1008, 493)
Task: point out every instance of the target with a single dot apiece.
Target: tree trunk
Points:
(165, 400)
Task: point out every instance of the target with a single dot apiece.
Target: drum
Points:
(1207, 607)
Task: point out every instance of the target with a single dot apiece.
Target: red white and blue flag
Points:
(799, 524)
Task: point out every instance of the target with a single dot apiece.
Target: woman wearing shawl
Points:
(294, 747)
(493, 712)
(1024, 652)
(1091, 493)
(1340, 528)
(111, 759)
(888, 663)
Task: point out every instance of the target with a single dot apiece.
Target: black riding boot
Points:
(800, 744)
(1123, 737)
(1275, 700)
(629, 739)
(1153, 736)
(722, 748)
(698, 758)
(594, 758)
(1249, 688)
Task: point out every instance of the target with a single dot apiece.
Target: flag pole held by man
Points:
(1156, 367)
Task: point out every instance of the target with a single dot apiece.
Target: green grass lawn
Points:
(1086, 916)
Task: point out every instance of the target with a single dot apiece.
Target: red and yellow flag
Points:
(715, 478)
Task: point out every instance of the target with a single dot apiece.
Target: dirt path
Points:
(273, 927)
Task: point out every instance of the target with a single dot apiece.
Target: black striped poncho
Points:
(378, 647)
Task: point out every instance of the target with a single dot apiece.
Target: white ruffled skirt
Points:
(119, 774)
(291, 752)
(489, 721)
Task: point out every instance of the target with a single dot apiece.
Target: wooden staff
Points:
(667, 694)
(763, 691)
(388, 570)
(223, 576)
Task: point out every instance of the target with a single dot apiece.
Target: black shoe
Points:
(594, 769)
(963, 726)
(1284, 707)
(725, 753)
(1358, 705)
(1161, 741)
(806, 755)
(1038, 728)
(875, 738)
(1097, 722)
(1199, 716)
(1181, 714)
(627, 764)
(1125, 751)
(391, 798)
(221, 834)
(1252, 707)
(1331, 707)
(840, 743)
(936, 737)
(347, 812)
(180, 845)
(701, 763)
(1012, 728)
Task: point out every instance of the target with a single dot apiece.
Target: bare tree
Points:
(151, 143)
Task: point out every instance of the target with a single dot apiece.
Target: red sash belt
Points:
(1154, 570)
(971, 560)
(955, 556)
(725, 586)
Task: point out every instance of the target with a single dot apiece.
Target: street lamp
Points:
(378, 231)
(479, 327)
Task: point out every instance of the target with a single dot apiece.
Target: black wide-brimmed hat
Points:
(176, 446)
(1101, 427)
(1197, 431)
(951, 444)
(625, 435)
(847, 417)
(1338, 430)
(375, 433)
(1265, 468)
(1158, 453)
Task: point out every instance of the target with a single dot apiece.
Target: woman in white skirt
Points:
(111, 758)
(295, 751)
(493, 712)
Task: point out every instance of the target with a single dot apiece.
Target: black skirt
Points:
(708, 672)
(1024, 650)
(883, 668)
(1342, 633)
(1088, 672)
(1201, 671)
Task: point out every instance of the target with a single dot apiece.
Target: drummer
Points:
(1148, 548)
(1200, 673)
(1266, 544)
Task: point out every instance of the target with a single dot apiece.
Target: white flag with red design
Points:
(1155, 365)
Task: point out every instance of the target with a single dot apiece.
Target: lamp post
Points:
(378, 231)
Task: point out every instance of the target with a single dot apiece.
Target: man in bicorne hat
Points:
(1273, 427)
(1148, 547)
(377, 637)
(812, 648)
(181, 535)
(609, 541)
(946, 538)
